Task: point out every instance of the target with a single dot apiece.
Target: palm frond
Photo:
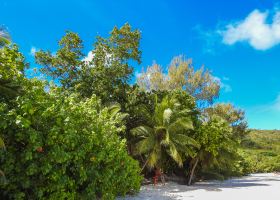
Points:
(144, 113)
(172, 151)
(154, 157)
(183, 113)
(167, 113)
(189, 152)
(185, 140)
(142, 131)
(185, 122)
(2, 144)
(114, 109)
(180, 125)
(144, 146)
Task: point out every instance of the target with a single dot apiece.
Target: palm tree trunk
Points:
(144, 165)
(192, 171)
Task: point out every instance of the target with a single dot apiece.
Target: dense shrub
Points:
(59, 147)
(263, 155)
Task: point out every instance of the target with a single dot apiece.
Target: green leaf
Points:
(142, 131)
(2, 144)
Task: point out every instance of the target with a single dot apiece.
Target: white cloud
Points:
(89, 57)
(210, 39)
(108, 59)
(255, 29)
(33, 50)
(226, 87)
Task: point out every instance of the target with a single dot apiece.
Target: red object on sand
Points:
(155, 179)
(157, 175)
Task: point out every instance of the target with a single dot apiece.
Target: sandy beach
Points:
(254, 186)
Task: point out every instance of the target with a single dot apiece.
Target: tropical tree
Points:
(181, 74)
(11, 66)
(4, 39)
(105, 72)
(11, 72)
(167, 134)
(234, 116)
(215, 138)
(65, 65)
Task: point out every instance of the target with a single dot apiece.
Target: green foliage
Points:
(65, 64)
(166, 134)
(214, 135)
(235, 117)
(11, 76)
(105, 74)
(59, 147)
(218, 156)
(109, 70)
(261, 148)
(71, 141)
(11, 72)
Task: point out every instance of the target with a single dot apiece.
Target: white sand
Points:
(255, 186)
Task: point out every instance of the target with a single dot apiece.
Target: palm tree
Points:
(167, 136)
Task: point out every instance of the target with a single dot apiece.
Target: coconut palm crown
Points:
(168, 137)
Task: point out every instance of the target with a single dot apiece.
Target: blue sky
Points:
(239, 41)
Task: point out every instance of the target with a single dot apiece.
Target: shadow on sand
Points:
(172, 190)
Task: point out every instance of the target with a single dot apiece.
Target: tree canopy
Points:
(181, 75)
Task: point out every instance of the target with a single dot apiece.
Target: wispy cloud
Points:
(255, 29)
(223, 83)
(211, 39)
(265, 116)
(270, 107)
(276, 104)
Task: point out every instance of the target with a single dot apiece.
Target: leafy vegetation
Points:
(59, 145)
(181, 75)
(168, 134)
(262, 150)
(87, 134)
(69, 149)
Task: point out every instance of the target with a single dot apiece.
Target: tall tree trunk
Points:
(192, 171)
